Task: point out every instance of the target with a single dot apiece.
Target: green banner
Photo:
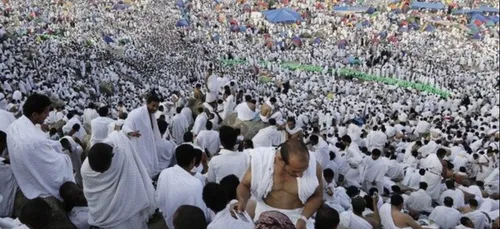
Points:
(352, 73)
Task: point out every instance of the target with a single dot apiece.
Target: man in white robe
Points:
(446, 216)
(7, 118)
(420, 201)
(200, 121)
(69, 127)
(267, 137)
(355, 219)
(39, 164)
(215, 197)
(434, 173)
(178, 127)
(321, 150)
(99, 126)
(165, 147)
(391, 216)
(177, 186)
(143, 128)
(375, 139)
(373, 171)
(116, 184)
(75, 151)
(88, 115)
(229, 161)
(291, 161)
(208, 139)
(478, 217)
(455, 194)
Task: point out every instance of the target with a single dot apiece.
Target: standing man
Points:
(99, 126)
(143, 128)
(39, 164)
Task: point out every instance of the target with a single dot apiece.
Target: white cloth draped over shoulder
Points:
(432, 175)
(8, 189)
(350, 220)
(179, 127)
(141, 120)
(262, 167)
(7, 118)
(244, 112)
(122, 196)
(39, 164)
(177, 187)
(76, 155)
(386, 217)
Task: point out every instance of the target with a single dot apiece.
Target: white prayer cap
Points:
(435, 134)
(17, 95)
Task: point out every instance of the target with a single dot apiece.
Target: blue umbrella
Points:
(477, 36)
(283, 15)
(243, 28)
(182, 23)
(120, 6)
(383, 34)
(108, 39)
(317, 40)
(179, 3)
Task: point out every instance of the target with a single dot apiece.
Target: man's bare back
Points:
(284, 193)
(265, 110)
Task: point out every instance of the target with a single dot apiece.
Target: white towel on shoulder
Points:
(262, 167)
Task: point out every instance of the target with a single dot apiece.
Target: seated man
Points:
(355, 218)
(296, 181)
(479, 218)
(189, 217)
(391, 216)
(326, 218)
(465, 223)
(420, 201)
(116, 184)
(216, 199)
(76, 204)
(446, 216)
(36, 214)
(177, 185)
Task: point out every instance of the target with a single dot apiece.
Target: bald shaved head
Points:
(294, 148)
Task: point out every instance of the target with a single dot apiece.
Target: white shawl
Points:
(223, 219)
(39, 164)
(123, 191)
(349, 220)
(386, 217)
(177, 187)
(145, 145)
(8, 189)
(262, 164)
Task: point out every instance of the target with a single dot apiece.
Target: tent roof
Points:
(282, 15)
(489, 9)
(351, 9)
(427, 5)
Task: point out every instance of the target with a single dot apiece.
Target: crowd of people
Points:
(117, 115)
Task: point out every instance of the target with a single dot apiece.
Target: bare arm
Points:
(243, 190)
(315, 201)
(412, 223)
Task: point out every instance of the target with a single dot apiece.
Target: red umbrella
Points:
(478, 22)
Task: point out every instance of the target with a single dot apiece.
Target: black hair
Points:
(178, 110)
(450, 184)
(326, 218)
(352, 191)
(189, 217)
(272, 100)
(346, 138)
(464, 220)
(473, 203)
(103, 111)
(358, 205)
(184, 154)
(36, 103)
(448, 201)
(441, 152)
(36, 213)
(162, 126)
(396, 200)
(198, 154)
(215, 197)
(153, 98)
(228, 137)
(376, 152)
(188, 137)
(209, 125)
(328, 173)
(100, 157)
(230, 184)
(272, 122)
(421, 172)
(422, 186)
(314, 139)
